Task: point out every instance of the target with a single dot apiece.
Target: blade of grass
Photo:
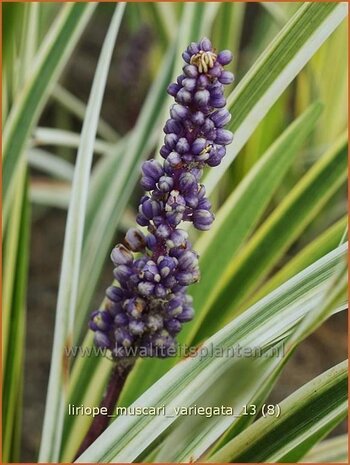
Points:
(322, 245)
(78, 108)
(50, 60)
(306, 416)
(51, 136)
(334, 450)
(50, 164)
(270, 75)
(272, 239)
(14, 331)
(68, 288)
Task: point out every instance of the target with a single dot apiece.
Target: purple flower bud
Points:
(123, 337)
(174, 307)
(101, 340)
(186, 278)
(189, 84)
(170, 140)
(136, 327)
(221, 117)
(160, 291)
(224, 57)
(164, 151)
(172, 126)
(218, 102)
(215, 71)
(187, 314)
(198, 145)
(166, 265)
(173, 326)
(173, 89)
(148, 183)
(121, 319)
(202, 219)
(152, 168)
(150, 208)
(151, 241)
(120, 255)
(198, 118)
(163, 231)
(141, 220)
(100, 320)
(165, 183)
(174, 159)
(187, 182)
(188, 261)
(135, 306)
(135, 239)
(184, 96)
(182, 146)
(203, 82)
(115, 294)
(191, 71)
(206, 45)
(150, 272)
(204, 204)
(201, 97)
(145, 288)
(177, 239)
(223, 136)
(193, 48)
(186, 56)
(226, 77)
(178, 112)
(122, 273)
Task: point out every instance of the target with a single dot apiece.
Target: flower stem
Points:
(100, 422)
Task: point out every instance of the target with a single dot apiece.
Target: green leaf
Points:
(270, 75)
(264, 326)
(322, 245)
(51, 58)
(78, 108)
(256, 259)
(305, 417)
(243, 209)
(50, 164)
(334, 450)
(14, 316)
(50, 136)
(68, 288)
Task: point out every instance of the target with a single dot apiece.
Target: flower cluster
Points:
(147, 308)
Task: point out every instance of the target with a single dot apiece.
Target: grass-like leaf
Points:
(334, 450)
(68, 289)
(273, 238)
(50, 60)
(305, 417)
(275, 69)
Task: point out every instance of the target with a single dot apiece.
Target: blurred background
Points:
(141, 45)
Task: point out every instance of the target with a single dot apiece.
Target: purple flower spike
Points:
(146, 309)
